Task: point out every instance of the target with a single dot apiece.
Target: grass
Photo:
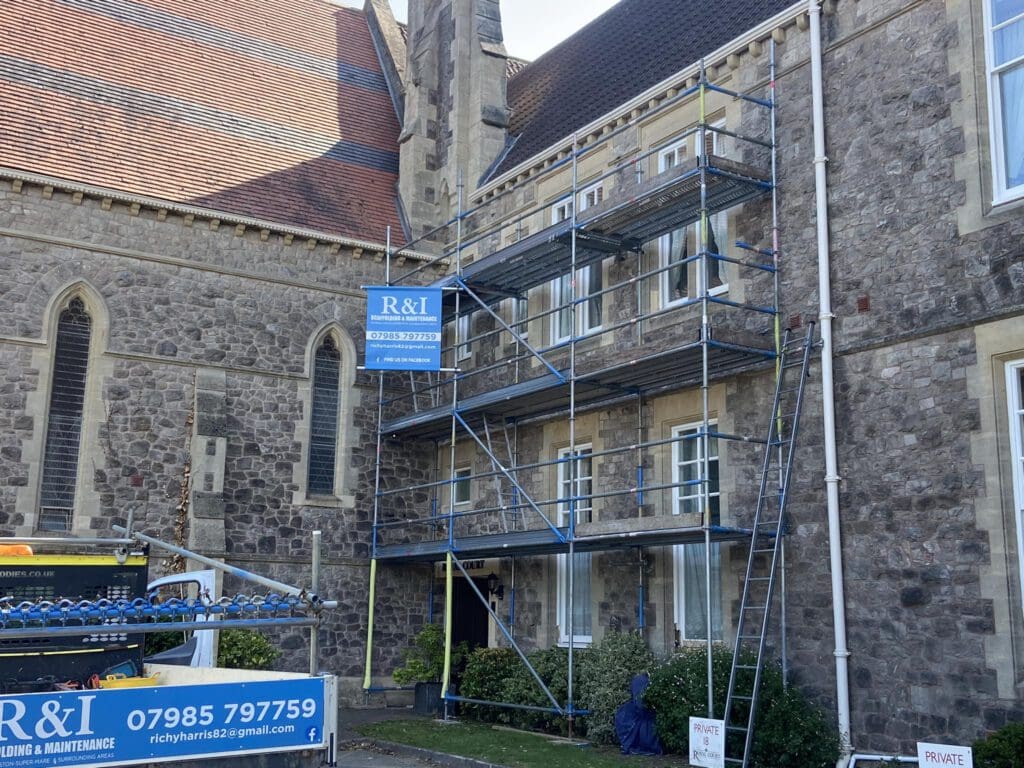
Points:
(515, 749)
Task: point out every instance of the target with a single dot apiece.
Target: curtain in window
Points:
(1012, 85)
(677, 256)
(594, 303)
(581, 613)
(323, 428)
(1009, 46)
(714, 265)
(563, 300)
(694, 597)
(64, 419)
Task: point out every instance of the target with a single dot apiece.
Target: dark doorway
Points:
(469, 615)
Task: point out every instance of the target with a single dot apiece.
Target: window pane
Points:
(64, 418)
(694, 622)
(323, 430)
(1004, 10)
(676, 255)
(1009, 42)
(1011, 85)
(594, 304)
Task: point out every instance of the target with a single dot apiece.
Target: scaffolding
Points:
(639, 351)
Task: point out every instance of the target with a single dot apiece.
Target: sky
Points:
(532, 26)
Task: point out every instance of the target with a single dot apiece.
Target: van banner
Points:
(121, 726)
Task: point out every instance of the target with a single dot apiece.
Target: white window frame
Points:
(586, 324)
(680, 496)
(462, 488)
(668, 157)
(463, 332)
(1015, 415)
(1001, 191)
(584, 514)
(519, 316)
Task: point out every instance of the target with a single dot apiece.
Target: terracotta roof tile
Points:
(633, 46)
(275, 109)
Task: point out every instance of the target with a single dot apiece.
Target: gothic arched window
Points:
(323, 428)
(64, 418)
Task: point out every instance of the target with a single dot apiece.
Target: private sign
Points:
(943, 756)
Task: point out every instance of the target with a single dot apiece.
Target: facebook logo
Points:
(313, 734)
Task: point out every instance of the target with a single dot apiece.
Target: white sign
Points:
(943, 756)
(707, 742)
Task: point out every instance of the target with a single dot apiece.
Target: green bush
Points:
(552, 665)
(604, 677)
(245, 649)
(158, 642)
(485, 676)
(1002, 749)
(424, 660)
(679, 691)
(792, 733)
(789, 733)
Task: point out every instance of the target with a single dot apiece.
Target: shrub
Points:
(679, 691)
(245, 649)
(790, 732)
(793, 733)
(158, 642)
(485, 676)
(552, 665)
(424, 660)
(1002, 749)
(603, 680)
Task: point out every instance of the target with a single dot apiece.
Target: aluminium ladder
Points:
(765, 546)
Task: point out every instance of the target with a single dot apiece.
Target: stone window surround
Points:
(999, 344)
(343, 497)
(86, 505)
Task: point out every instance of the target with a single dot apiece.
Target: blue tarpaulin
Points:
(634, 723)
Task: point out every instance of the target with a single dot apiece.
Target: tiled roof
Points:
(633, 46)
(271, 109)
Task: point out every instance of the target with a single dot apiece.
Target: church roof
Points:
(271, 109)
(628, 49)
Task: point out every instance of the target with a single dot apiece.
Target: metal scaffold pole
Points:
(449, 574)
(705, 337)
(371, 598)
(573, 470)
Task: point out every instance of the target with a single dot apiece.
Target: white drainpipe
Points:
(827, 385)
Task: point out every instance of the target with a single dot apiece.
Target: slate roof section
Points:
(628, 49)
(271, 109)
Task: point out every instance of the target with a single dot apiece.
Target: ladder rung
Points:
(745, 666)
(742, 698)
(757, 607)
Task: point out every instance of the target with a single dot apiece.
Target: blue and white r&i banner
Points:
(403, 329)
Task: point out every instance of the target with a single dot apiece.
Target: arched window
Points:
(64, 418)
(323, 431)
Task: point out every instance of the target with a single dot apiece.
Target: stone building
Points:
(193, 197)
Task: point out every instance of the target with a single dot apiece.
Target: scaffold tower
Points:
(540, 364)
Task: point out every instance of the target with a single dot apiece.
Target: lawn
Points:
(515, 749)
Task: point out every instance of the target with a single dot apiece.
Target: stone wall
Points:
(178, 303)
